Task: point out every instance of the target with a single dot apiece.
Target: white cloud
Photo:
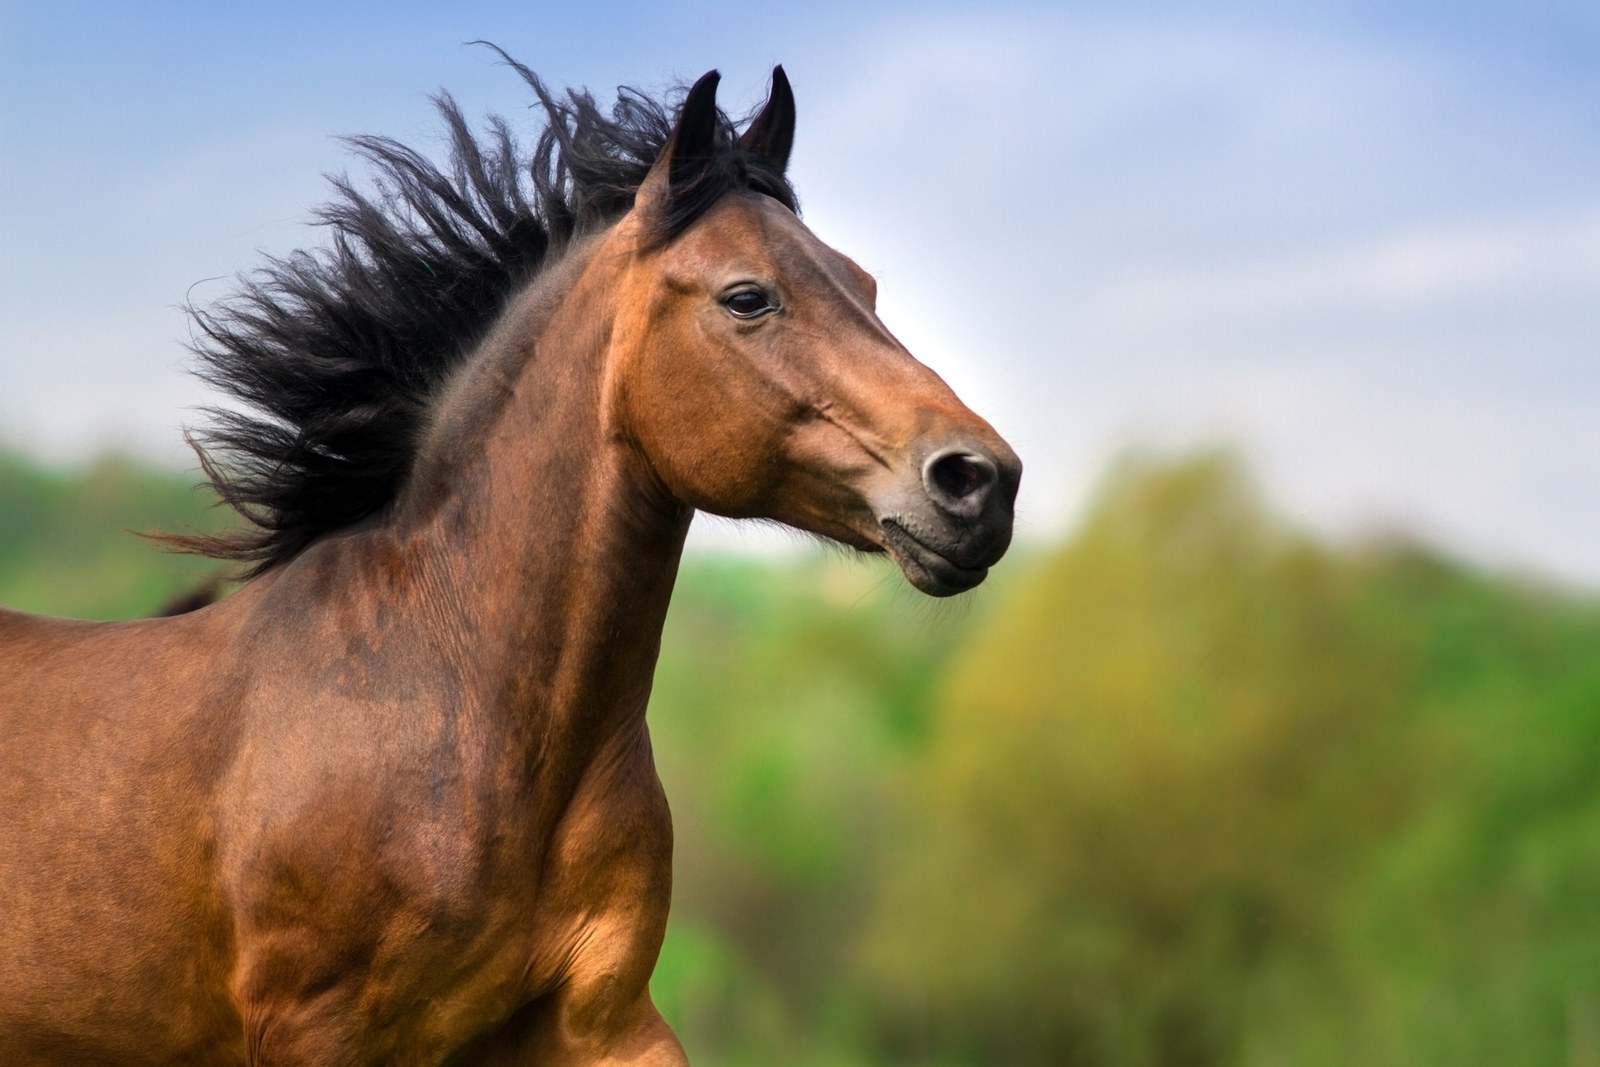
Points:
(1478, 259)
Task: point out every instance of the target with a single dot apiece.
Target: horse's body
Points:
(393, 801)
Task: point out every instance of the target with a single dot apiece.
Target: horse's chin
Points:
(925, 568)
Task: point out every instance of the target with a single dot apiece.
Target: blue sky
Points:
(1360, 240)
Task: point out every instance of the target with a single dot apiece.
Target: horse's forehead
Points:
(764, 234)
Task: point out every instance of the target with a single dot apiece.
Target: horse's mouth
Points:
(926, 567)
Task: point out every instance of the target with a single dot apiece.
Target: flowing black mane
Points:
(335, 353)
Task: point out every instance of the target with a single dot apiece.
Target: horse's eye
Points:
(748, 303)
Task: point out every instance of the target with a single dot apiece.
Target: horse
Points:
(392, 801)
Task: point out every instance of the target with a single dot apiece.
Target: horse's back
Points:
(108, 760)
(70, 687)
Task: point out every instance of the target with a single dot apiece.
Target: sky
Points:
(1358, 241)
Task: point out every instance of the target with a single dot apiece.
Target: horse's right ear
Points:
(770, 136)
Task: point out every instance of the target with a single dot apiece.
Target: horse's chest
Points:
(424, 927)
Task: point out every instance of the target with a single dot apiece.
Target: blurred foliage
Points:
(789, 701)
(69, 544)
(1192, 788)
(1198, 744)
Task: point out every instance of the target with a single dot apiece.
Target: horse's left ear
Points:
(771, 135)
(690, 150)
(693, 143)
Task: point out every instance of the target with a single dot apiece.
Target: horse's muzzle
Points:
(954, 522)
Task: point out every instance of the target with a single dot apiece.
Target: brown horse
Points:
(393, 801)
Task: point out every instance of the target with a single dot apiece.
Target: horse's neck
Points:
(539, 531)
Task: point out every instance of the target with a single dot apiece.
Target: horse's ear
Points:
(690, 148)
(693, 143)
(771, 135)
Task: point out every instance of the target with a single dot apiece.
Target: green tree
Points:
(787, 695)
(1151, 780)
(69, 544)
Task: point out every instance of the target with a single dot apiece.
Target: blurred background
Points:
(1277, 738)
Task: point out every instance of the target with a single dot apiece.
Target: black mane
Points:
(335, 353)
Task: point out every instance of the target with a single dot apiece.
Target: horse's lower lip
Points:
(925, 567)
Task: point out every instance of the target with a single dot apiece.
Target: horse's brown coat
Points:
(393, 802)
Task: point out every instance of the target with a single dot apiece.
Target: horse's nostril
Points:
(960, 475)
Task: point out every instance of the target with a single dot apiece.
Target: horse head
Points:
(757, 380)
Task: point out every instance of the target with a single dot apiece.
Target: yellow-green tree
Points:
(1149, 781)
